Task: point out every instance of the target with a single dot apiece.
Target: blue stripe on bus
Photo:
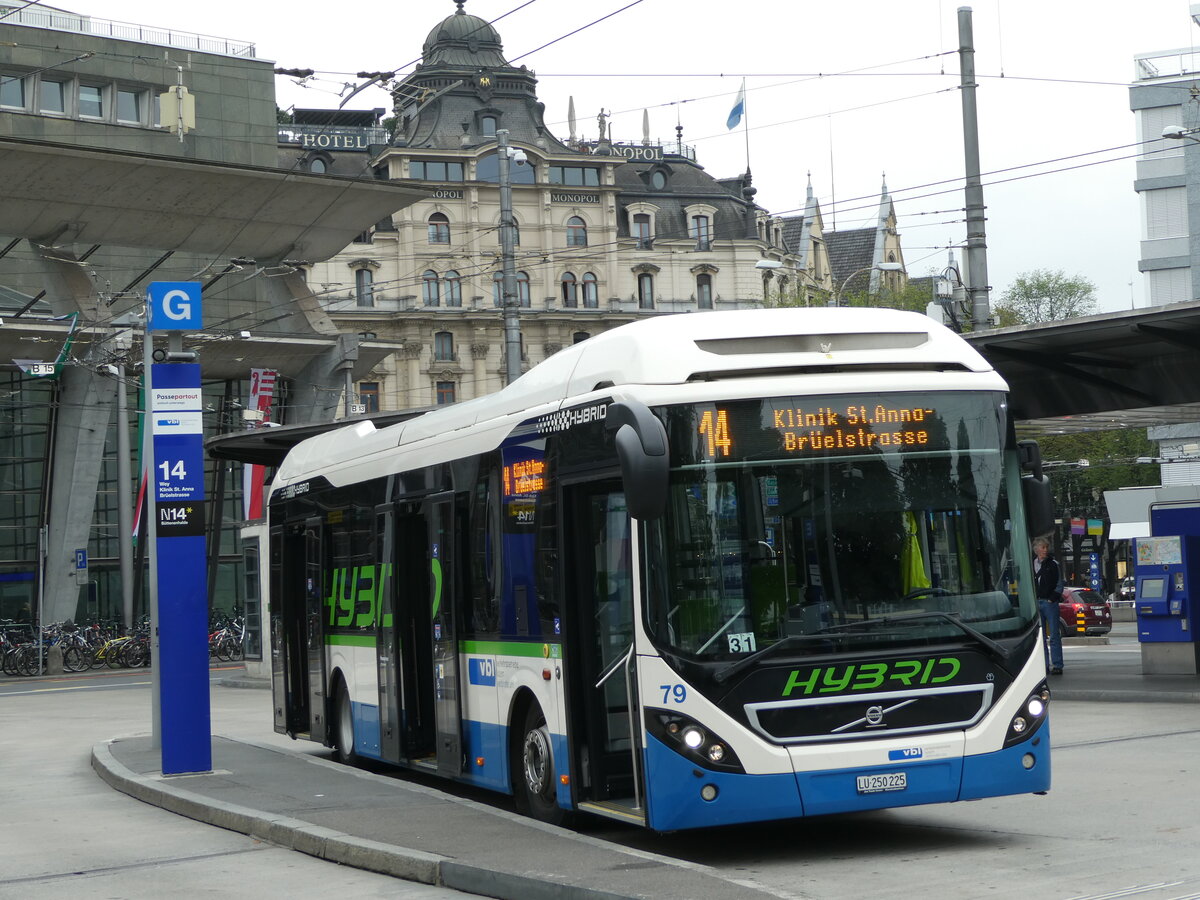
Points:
(1003, 772)
(481, 740)
(366, 729)
(674, 793)
(486, 741)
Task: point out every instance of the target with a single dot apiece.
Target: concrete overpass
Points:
(60, 198)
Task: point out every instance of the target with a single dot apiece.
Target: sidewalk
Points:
(1114, 674)
(381, 824)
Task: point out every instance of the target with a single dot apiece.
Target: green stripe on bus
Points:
(489, 648)
(351, 640)
(504, 648)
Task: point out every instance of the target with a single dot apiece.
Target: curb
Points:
(334, 846)
(1103, 695)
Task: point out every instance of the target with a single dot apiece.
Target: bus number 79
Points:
(673, 692)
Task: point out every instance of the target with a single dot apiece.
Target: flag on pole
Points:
(739, 107)
(262, 392)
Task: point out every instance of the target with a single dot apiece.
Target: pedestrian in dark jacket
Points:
(1047, 578)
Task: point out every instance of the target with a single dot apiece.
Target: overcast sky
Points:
(846, 91)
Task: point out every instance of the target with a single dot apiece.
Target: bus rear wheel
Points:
(536, 790)
(343, 728)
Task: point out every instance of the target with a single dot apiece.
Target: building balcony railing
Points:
(1167, 64)
(58, 20)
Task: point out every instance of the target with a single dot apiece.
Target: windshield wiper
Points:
(954, 619)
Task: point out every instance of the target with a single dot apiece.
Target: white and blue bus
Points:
(701, 569)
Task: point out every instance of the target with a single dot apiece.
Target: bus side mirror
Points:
(1035, 490)
(641, 443)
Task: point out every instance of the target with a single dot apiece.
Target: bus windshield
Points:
(843, 522)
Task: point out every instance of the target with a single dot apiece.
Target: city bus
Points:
(701, 569)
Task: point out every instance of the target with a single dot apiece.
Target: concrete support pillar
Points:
(321, 385)
(85, 408)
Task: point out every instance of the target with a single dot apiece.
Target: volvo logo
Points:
(874, 715)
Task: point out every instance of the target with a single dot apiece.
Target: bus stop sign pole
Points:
(179, 601)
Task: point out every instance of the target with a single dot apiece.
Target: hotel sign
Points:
(324, 137)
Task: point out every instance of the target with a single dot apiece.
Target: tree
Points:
(912, 297)
(1046, 296)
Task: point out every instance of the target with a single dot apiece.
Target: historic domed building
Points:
(607, 230)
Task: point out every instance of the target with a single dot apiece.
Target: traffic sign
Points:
(174, 306)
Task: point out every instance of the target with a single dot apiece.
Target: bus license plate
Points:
(876, 784)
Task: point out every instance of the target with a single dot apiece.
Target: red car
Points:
(1083, 611)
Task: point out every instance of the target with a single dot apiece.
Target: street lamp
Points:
(836, 298)
(509, 299)
(1178, 133)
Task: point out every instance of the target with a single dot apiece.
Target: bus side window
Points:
(484, 563)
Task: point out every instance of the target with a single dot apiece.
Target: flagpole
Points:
(746, 123)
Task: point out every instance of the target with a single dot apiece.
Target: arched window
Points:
(576, 232)
(699, 231)
(439, 229)
(570, 296)
(646, 291)
(317, 166)
(429, 288)
(443, 346)
(591, 291)
(579, 337)
(364, 290)
(523, 288)
(641, 230)
(453, 291)
(704, 296)
(487, 126)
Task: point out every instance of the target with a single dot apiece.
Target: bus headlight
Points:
(690, 739)
(1030, 717)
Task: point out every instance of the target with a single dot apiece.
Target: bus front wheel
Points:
(536, 788)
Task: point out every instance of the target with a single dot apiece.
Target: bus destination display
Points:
(853, 427)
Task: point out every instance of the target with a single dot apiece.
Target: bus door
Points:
(314, 616)
(297, 636)
(442, 601)
(387, 636)
(597, 534)
(412, 636)
(284, 648)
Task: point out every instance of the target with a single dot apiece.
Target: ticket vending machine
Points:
(1168, 578)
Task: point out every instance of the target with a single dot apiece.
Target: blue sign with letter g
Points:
(175, 306)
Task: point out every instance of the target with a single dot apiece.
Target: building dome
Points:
(463, 40)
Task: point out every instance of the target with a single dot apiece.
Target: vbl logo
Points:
(906, 753)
